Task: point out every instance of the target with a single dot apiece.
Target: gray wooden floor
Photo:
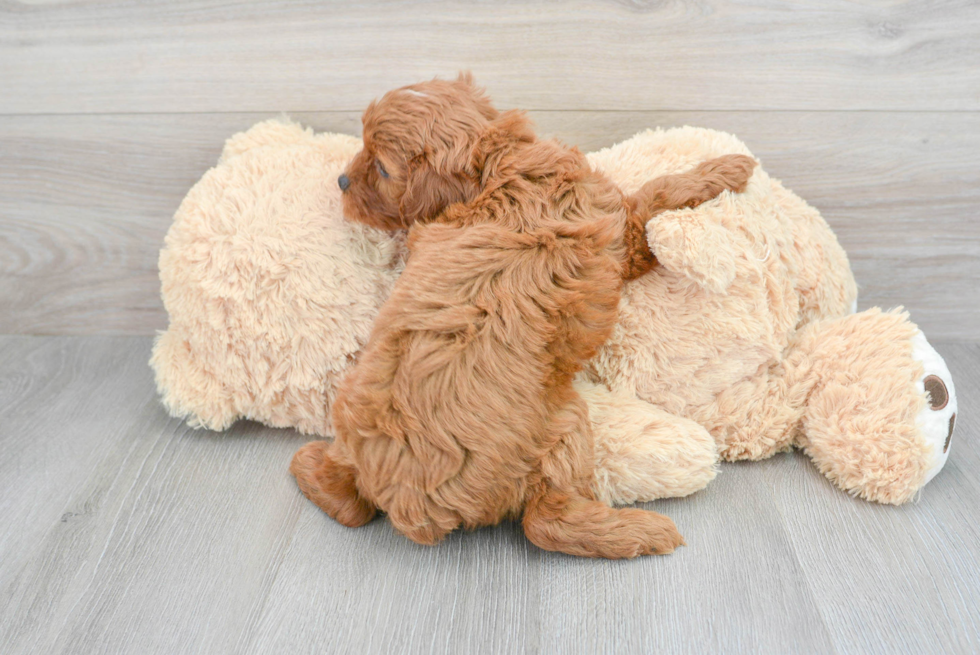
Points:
(122, 531)
(125, 532)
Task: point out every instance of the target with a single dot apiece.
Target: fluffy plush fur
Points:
(746, 330)
(270, 292)
(272, 295)
(461, 410)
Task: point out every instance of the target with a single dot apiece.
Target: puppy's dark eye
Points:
(381, 170)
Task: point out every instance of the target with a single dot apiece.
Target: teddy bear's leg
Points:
(330, 483)
(880, 417)
(667, 192)
(643, 452)
(187, 388)
(756, 417)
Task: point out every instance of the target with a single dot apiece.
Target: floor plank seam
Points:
(824, 622)
(248, 636)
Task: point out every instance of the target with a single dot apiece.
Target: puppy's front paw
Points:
(731, 172)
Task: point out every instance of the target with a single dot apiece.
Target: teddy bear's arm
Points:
(690, 189)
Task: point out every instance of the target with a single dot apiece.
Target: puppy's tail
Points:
(570, 523)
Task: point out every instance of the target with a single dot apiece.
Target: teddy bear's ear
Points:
(689, 243)
(275, 131)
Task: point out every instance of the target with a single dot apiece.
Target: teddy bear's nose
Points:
(344, 182)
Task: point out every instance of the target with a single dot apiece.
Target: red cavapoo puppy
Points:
(460, 410)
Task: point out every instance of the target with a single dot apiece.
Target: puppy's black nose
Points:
(344, 182)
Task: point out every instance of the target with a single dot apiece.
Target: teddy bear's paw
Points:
(937, 419)
(642, 452)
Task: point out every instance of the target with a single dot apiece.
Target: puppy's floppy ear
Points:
(428, 191)
(510, 127)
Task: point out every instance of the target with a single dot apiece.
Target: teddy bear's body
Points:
(738, 279)
(741, 343)
(748, 331)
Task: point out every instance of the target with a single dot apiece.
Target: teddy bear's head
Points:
(271, 293)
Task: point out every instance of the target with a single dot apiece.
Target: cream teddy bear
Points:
(749, 330)
(738, 344)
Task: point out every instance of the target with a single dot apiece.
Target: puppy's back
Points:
(453, 392)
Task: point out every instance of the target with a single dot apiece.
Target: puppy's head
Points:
(419, 153)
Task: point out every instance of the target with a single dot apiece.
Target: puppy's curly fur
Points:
(461, 411)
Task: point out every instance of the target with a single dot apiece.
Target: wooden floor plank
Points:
(60, 403)
(895, 579)
(887, 580)
(86, 200)
(188, 549)
(335, 590)
(738, 584)
(736, 587)
(207, 55)
(126, 532)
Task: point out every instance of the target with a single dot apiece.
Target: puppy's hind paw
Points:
(331, 486)
(651, 533)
